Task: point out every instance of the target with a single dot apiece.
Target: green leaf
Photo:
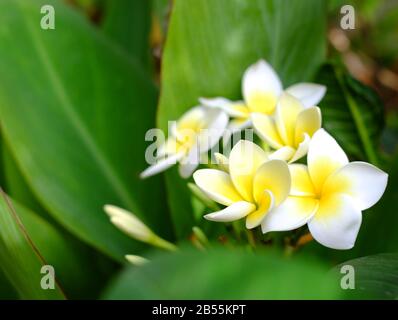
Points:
(352, 113)
(79, 270)
(20, 259)
(86, 107)
(15, 185)
(376, 276)
(128, 23)
(7, 292)
(211, 43)
(222, 274)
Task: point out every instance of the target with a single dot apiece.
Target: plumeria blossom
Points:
(261, 88)
(252, 187)
(196, 132)
(329, 194)
(291, 129)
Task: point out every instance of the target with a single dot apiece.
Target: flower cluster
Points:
(269, 189)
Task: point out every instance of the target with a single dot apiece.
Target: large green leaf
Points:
(77, 268)
(58, 247)
(352, 113)
(20, 259)
(211, 43)
(128, 23)
(15, 185)
(74, 112)
(375, 276)
(223, 274)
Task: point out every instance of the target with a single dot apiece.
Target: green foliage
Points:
(222, 274)
(20, 260)
(83, 100)
(352, 113)
(376, 276)
(76, 102)
(128, 23)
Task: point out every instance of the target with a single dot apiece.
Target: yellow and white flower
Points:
(261, 88)
(196, 132)
(252, 188)
(329, 194)
(291, 129)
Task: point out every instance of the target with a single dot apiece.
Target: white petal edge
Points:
(216, 185)
(234, 212)
(217, 124)
(338, 230)
(260, 77)
(253, 224)
(266, 129)
(289, 215)
(324, 150)
(302, 149)
(189, 163)
(161, 165)
(367, 183)
(223, 104)
(284, 153)
(310, 94)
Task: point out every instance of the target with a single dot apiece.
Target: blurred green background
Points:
(75, 103)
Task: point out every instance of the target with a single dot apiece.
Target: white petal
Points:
(169, 147)
(308, 122)
(232, 108)
(336, 223)
(364, 182)
(287, 112)
(209, 136)
(308, 93)
(293, 213)
(192, 119)
(265, 205)
(244, 160)
(217, 185)
(161, 165)
(187, 169)
(302, 149)
(325, 157)
(260, 85)
(284, 153)
(236, 125)
(266, 129)
(301, 182)
(234, 212)
(272, 175)
(189, 163)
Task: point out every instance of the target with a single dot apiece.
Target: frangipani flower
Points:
(261, 88)
(291, 129)
(329, 194)
(196, 132)
(252, 187)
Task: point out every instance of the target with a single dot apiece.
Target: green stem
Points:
(164, 244)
